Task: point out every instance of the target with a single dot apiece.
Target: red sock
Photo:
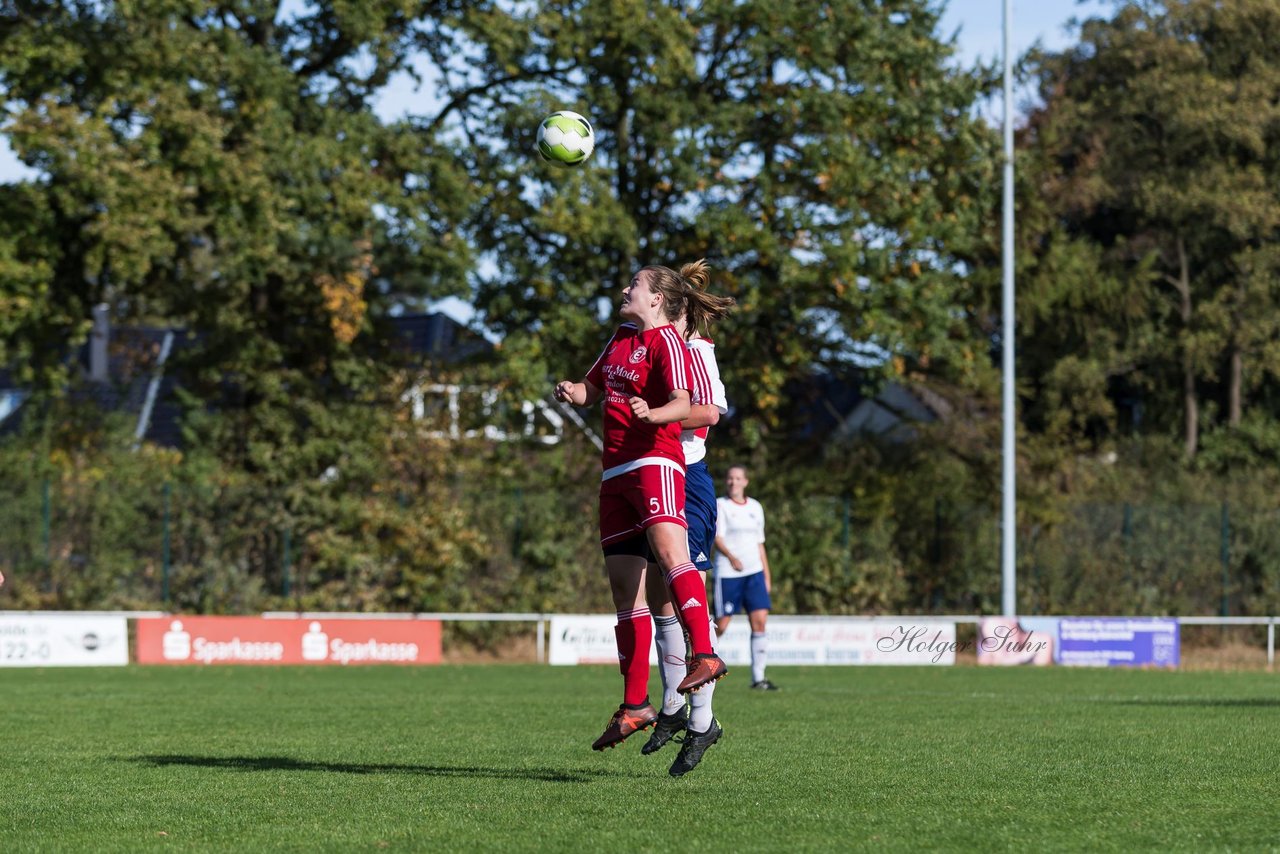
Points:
(689, 593)
(635, 635)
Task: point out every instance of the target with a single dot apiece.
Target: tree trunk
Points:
(1191, 405)
(1235, 368)
(1235, 407)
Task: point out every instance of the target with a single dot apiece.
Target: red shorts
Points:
(633, 501)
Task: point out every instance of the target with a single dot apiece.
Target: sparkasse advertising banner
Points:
(589, 639)
(63, 641)
(255, 640)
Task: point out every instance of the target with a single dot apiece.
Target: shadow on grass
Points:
(285, 763)
(1202, 702)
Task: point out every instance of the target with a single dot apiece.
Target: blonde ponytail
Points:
(702, 308)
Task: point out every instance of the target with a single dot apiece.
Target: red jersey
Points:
(649, 365)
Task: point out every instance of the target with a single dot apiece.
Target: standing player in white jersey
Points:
(708, 403)
(743, 582)
(643, 376)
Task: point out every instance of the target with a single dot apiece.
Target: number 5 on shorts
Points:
(654, 507)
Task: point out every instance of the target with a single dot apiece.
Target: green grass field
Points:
(497, 757)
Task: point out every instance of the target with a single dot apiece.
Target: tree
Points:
(1156, 160)
(824, 157)
(220, 166)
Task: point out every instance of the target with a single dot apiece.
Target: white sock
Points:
(700, 702)
(668, 638)
(758, 648)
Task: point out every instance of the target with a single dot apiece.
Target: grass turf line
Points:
(454, 757)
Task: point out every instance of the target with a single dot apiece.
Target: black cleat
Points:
(667, 728)
(695, 744)
(763, 685)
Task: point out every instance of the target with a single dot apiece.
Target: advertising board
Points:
(589, 639)
(255, 640)
(63, 641)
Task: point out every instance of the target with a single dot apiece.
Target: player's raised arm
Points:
(579, 394)
(675, 409)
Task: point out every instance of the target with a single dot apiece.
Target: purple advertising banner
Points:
(1117, 642)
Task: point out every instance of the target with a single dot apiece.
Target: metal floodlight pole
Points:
(1009, 500)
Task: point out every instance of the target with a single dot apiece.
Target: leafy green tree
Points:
(1155, 172)
(824, 157)
(220, 166)
(29, 319)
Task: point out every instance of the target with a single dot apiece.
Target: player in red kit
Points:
(643, 374)
(692, 715)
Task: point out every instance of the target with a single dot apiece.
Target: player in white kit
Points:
(742, 575)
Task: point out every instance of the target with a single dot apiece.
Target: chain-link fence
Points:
(107, 540)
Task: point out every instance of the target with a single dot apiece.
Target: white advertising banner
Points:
(589, 639)
(63, 641)
(845, 640)
(586, 639)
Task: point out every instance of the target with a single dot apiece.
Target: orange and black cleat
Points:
(703, 669)
(626, 722)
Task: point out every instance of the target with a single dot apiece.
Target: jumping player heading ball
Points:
(643, 374)
(708, 403)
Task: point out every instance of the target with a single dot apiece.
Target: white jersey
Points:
(707, 390)
(741, 526)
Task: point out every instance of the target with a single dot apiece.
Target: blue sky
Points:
(980, 37)
(980, 23)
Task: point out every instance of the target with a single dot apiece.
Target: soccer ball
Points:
(565, 138)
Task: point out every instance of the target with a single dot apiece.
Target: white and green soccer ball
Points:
(566, 138)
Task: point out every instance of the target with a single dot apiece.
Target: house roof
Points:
(834, 406)
(439, 337)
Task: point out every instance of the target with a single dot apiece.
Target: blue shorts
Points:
(741, 595)
(700, 513)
